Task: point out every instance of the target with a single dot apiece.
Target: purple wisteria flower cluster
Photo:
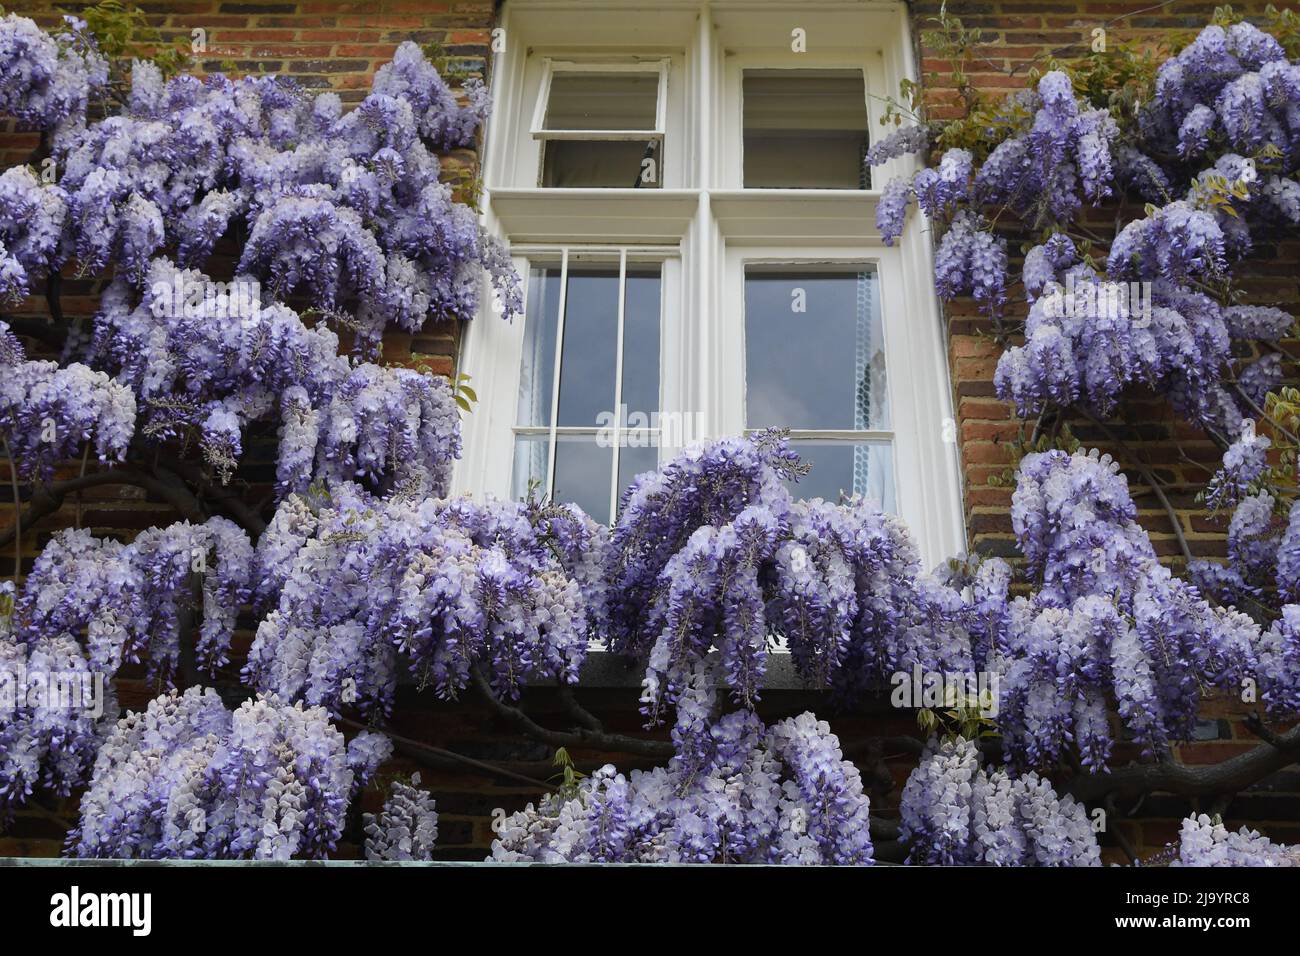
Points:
(211, 358)
(356, 584)
(406, 828)
(1244, 463)
(1214, 149)
(1262, 572)
(1205, 842)
(1107, 622)
(189, 779)
(51, 710)
(955, 813)
(32, 244)
(47, 81)
(735, 792)
(48, 412)
(711, 556)
(347, 209)
(125, 601)
(713, 551)
(88, 607)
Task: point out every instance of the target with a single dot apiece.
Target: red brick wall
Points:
(1017, 35)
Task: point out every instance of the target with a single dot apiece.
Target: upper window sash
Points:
(552, 68)
(868, 63)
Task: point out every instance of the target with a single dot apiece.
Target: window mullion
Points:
(618, 381)
(555, 383)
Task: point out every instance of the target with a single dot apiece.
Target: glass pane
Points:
(805, 129)
(604, 101)
(641, 342)
(633, 459)
(854, 468)
(531, 454)
(537, 372)
(582, 474)
(604, 164)
(590, 346)
(814, 350)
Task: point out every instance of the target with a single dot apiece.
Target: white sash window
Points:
(682, 187)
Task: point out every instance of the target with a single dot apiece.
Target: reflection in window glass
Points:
(587, 419)
(532, 452)
(603, 101)
(590, 340)
(608, 106)
(641, 342)
(805, 129)
(815, 363)
(814, 350)
(582, 473)
(603, 164)
(849, 468)
(536, 375)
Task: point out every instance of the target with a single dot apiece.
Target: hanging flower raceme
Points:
(345, 209)
(407, 826)
(954, 812)
(189, 779)
(46, 81)
(971, 260)
(31, 231)
(1205, 842)
(49, 413)
(127, 600)
(209, 358)
(1244, 463)
(1229, 85)
(1262, 572)
(1213, 152)
(713, 552)
(51, 705)
(1108, 624)
(735, 792)
(1089, 338)
(362, 583)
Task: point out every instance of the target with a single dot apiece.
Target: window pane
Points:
(541, 316)
(635, 459)
(814, 350)
(607, 164)
(603, 101)
(805, 129)
(854, 468)
(531, 455)
(641, 341)
(582, 474)
(589, 352)
(590, 346)
(582, 469)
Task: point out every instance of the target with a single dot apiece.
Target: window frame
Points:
(908, 415)
(624, 257)
(733, 88)
(702, 219)
(543, 136)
